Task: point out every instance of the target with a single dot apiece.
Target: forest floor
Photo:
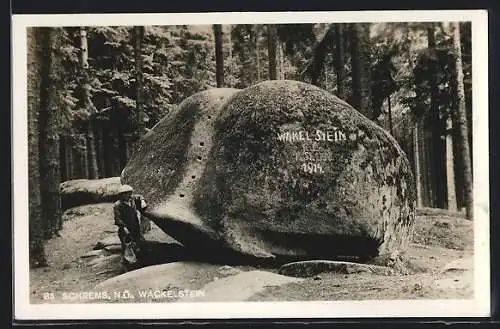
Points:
(440, 259)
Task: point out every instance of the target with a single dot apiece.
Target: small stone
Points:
(115, 249)
(227, 270)
(92, 253)
(108, 241)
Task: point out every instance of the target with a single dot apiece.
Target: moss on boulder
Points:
(285, 169)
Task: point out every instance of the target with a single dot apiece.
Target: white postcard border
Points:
(479, 306)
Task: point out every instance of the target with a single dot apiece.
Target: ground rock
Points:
(87, 191)
(227, 270)
(107, 241)
(93, 253)
(281, 168)
(157, 278)
(314, 267)
(240, 287)
(105, 261)
(114, 248)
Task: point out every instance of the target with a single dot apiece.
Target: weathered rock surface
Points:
(240, 287)
(87, 191)
(314, 267)
(94, 253)
(112, 240)
(114, 248)
(281, 168)
(173, 277)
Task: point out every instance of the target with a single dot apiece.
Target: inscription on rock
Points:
(313, 156)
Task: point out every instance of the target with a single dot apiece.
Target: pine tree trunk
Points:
(230, 52)
(361, 76)
(71, 161)
(100, 152)
(389, 110)
(271, 51)
(62, 161)
(85, 152)
(257, 50)
(340, 59)
(462, 122)
(429, 170)
(91, 152)
(79, 150)
(107, 147)
(37, 256)
(122, 149)
(317, 63)
(119, 156)
(436, 127)
(327, 73)
(219, 55)
(281, 60)
(49, 132)
(424, 162)
(86, 103)
(450, 168)
(416, 160)
(139, 77)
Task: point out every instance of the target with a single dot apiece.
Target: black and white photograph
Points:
(228, 165)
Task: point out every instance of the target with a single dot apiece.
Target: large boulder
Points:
(280, 169)
(79, 192)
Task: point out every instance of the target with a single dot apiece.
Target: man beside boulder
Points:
(127, 211)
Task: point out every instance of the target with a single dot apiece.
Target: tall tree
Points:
(435, 121)
(255, 33)
(450, 167)
(272, 44)
(417, 161)
(462, 121)
(219, 55)
(50, 177)
(361, 71)
(340, 59)
(87, 104)
(389, 111)
(139, 77)
(36, 248)
(319, 54)
(281, 61)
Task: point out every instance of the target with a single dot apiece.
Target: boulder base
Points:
(313, 267)
(279, 169)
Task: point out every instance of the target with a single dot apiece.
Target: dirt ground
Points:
(440, 238)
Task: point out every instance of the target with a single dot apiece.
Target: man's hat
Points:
(125, 189)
